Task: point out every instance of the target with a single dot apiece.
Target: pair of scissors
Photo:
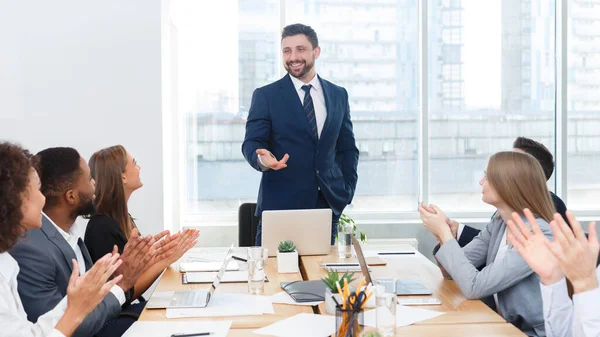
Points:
(356, 301)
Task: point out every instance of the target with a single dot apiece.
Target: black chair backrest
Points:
(247, 224)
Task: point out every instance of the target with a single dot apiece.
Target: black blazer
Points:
(102, 234)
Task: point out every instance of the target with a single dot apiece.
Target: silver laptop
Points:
(403, 287)
(189, 298)
(309, 229)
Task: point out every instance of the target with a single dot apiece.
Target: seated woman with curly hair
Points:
(21, 204)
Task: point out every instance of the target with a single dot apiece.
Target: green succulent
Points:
(286, 247)
(347, 224)
(371, 334)
(332, 279)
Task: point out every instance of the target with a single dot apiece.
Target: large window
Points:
(583, 105)
(490, 72)
(491, 67)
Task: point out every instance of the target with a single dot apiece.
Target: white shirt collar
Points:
(67, 236)
(9, 267)
(316, 84)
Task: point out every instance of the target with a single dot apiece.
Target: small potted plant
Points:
(331, 281)
(287, 257)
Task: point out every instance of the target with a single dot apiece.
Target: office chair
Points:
(247, 224)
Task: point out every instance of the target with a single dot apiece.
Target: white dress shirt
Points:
(72, 237)
(499, 256)
(566, 318)
(13, 319)
(316, 92)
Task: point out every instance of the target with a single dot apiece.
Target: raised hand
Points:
(172, 247)
(434, 220)
(533, 247)
(136, 256)
(576, 254)
(453, 227)
(270, 161)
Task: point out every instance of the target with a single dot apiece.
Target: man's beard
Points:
(307, 67)
(85, 208)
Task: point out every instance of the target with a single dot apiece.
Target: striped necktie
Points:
(309, 110)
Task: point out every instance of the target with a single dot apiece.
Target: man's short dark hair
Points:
(299, 28)
(15, 166)
(539, 151)
(59, 170)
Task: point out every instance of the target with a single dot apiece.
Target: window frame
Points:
(175, 143)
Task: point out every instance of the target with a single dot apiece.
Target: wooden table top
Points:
(458, 309)
(171, 280)
(463, 317)
(453, 330)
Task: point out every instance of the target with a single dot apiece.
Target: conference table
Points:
(462, 317)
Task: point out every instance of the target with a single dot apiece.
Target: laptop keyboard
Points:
(191, 298)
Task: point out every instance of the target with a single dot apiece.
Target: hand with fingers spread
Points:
(172, 247)
(532, 246)
(576, 254)
(435, 221)
(269, 160)
(85, 292)
(136, 256)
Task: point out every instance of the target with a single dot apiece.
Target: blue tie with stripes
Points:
(309, 110)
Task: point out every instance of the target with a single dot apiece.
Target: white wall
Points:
(86, 74)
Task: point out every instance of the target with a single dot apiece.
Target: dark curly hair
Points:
(15, 164)
(58, 168)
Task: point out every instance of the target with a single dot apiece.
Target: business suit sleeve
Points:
(39, 291)
(346, 148)
(107, 310)
(467, 235)
(36, 283)
(258, 129)
(495, 277)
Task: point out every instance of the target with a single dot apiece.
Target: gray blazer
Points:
(44, 258)
(518, 287)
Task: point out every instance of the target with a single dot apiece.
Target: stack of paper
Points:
(165, 329)
(206, 266)
(209, 277)
(225, 305)
(285, 298)
(404, 316)
(301, 325)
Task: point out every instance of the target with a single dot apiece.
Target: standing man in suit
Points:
(299, 135)
(44, 255)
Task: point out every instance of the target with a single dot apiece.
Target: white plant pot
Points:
(330, 303)
(287, 262)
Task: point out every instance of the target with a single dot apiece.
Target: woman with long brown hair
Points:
(117, 176)
(21, 204)
(513, 182)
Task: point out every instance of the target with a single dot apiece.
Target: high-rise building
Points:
(584, 57)
(527, 57)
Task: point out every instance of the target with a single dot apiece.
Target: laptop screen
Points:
(361, 260)
(217, 280)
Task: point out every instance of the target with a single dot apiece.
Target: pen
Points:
(239, 258)
(396, 253)
(192, 334)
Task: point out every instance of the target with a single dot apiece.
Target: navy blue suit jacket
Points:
(277, 122)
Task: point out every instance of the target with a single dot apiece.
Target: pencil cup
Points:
(348, 323)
